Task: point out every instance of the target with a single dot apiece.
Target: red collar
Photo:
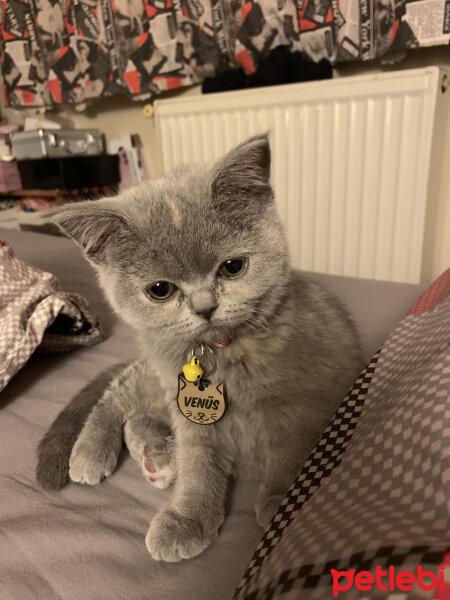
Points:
(221, 343)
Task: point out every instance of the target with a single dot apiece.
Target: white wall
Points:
(117, 116)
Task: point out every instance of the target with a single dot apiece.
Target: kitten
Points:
(199, 256)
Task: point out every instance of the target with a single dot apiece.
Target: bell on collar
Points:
(193, 371)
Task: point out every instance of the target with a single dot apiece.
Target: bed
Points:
(88, 542)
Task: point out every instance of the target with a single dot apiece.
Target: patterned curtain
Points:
(56, 51)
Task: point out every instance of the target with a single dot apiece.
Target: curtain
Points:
(56, 51)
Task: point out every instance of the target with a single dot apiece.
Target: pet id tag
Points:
(199, 400)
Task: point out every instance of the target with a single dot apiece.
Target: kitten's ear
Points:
(95, 225)
(244, 173)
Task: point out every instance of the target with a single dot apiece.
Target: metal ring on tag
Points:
(214, 365)
(204, 347)
(201, 346)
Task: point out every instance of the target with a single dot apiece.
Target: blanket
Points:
(34, 313)
(368, 515)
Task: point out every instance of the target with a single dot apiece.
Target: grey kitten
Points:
(196, 257)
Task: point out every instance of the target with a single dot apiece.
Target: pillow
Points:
(373, 497)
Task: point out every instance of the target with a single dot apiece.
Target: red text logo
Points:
(388, 580)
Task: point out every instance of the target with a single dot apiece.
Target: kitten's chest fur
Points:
(283, 385)
(260, 400)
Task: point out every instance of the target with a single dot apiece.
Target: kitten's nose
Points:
(207, 313)
(203, 303)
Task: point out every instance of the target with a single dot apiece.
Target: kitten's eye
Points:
(233, 267)
(160, 290)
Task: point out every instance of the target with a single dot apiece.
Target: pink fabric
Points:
(432, 296)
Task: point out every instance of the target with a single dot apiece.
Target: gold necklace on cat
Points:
(200, 401)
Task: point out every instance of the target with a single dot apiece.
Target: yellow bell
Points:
(193, 371)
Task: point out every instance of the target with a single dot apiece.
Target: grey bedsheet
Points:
(87, 543)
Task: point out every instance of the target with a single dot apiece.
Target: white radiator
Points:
(350, 167)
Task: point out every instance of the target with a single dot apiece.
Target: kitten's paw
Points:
(90, 463)
(265, 508)
(158, 467)
(153, 448)
(172, 537)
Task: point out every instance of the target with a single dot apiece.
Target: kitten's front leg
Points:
(188, 525)
(95, 453)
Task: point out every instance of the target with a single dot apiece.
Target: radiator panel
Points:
(350, 163)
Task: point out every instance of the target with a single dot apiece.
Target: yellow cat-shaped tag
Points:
(200, 401)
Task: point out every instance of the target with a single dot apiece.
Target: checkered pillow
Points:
(374, 491)
(30, 303)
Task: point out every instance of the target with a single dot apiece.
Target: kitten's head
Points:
(195, 256)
